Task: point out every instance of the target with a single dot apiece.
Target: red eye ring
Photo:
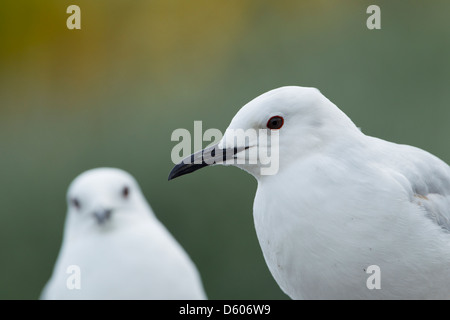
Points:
(275, 123)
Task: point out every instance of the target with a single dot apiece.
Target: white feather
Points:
(343, 201)
(130, 256)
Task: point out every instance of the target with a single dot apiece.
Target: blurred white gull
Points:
(117, 247)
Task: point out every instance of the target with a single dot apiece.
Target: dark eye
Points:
(76, 203)
(275, 123)
(125, 192)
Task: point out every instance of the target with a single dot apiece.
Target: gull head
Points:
(273, 130)
(104, 198)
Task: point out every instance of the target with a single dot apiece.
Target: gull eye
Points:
(275, 123)
(125, 192)
(76, 203)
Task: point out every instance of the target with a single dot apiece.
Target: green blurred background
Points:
(111, 94)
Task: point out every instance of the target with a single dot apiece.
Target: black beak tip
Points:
(175, 172)
(184, 168)
(172, 174)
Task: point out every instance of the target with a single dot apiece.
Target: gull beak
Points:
(209, 156)
(102, 215)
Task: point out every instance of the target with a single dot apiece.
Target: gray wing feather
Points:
(429, 178)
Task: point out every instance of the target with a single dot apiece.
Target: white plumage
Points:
(119, 247)
(343, 201)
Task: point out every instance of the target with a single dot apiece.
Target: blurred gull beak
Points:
(102, 215)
